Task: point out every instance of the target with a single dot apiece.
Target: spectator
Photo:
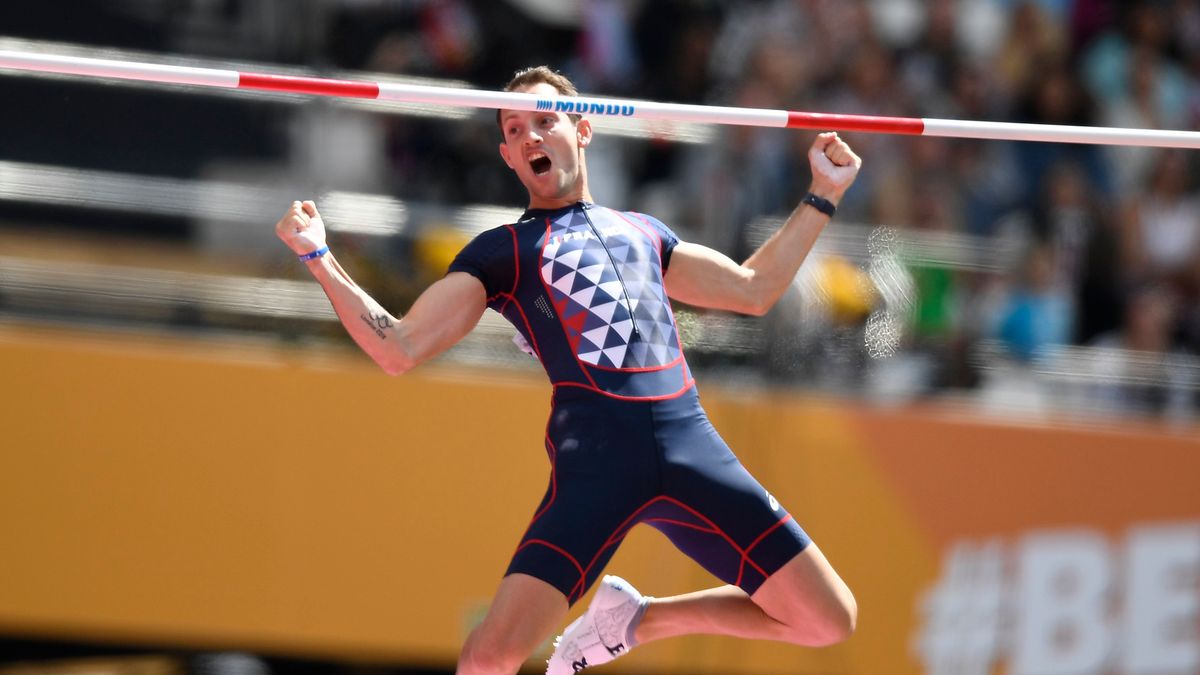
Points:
(1071, 219)
(1161, 229)
(1138, 369)
(1053, 94)
(1140, 107)
(1033, 38)
(1038, 312)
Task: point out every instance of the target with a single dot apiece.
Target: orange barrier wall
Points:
(299, 501)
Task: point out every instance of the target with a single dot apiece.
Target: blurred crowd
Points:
(1110, 236)
(1089, 284)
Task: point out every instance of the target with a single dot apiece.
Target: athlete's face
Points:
(545, 149)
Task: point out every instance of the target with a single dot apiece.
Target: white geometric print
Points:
(608, 293)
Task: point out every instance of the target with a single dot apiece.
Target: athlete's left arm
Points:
(704, 277)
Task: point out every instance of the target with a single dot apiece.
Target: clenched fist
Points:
(301, 228)
(834, 166)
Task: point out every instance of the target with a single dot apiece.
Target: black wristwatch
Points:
(819, 203)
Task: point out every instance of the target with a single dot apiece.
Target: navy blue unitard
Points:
(627, 439)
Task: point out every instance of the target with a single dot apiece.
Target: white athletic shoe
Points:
(604, 632)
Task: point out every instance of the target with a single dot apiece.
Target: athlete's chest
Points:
(596, 249)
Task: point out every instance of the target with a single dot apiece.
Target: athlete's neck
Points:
(555, 204)
(582, 194)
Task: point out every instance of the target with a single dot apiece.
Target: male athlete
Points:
(586, 288)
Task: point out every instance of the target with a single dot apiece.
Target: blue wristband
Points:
(315, 254)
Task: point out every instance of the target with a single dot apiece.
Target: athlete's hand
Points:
(301, 228)
(834, 166)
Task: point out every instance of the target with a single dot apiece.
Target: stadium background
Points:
(981, 396)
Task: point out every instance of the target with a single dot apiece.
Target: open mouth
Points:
(539, 162)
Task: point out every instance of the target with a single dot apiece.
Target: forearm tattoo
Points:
(378, 323)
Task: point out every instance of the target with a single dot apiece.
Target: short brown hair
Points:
(540, 75)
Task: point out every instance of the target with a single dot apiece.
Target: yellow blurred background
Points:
(209, 494)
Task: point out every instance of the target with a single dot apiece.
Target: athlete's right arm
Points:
(440, 317)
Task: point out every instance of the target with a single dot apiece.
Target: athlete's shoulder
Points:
(497, 232)
(490, 239)
(489, 257)
(660, 228)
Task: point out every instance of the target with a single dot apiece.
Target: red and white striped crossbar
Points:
(612, 107)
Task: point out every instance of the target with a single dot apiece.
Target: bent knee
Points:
(835, 624)
(831, 632)
(485, 657)
(820, 626)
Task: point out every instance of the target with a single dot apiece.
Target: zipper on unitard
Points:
(617, 269)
